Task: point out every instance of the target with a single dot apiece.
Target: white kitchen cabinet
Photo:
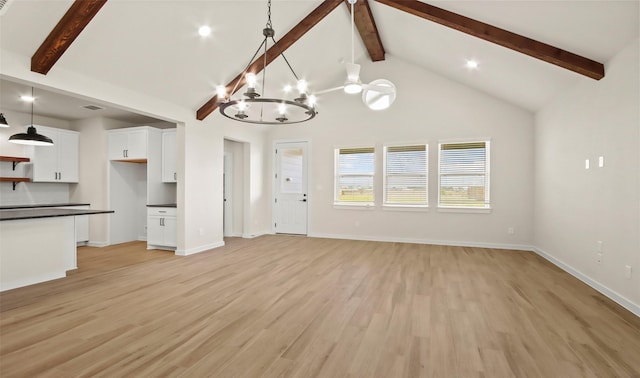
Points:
(169, 173)
(57, 163)
(128, 144)
(162, 228)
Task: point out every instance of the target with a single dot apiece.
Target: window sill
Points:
(354, 206)
(468, 210)
(418, 208)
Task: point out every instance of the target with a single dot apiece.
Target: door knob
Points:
(303, 200)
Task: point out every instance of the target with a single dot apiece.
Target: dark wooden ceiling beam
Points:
(65, 32)
(519, 43)
(272, 53)
(366, 25)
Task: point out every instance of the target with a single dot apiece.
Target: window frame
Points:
(407, 206)
(487, 178)
(336, 175)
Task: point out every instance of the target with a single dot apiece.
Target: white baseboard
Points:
(97, 244)
(611, 294)
(32, 280)
(517, 247)
(251, 236)
(187, 252)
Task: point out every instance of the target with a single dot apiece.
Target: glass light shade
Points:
(302, 86)
(251, 80)
(221, 91)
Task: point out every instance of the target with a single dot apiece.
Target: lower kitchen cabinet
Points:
(162, 228)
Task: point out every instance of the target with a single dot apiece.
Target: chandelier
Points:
(256, 108)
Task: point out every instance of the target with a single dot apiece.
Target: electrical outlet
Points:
(601, 161)
(586, 164)
(599, 258)
(627, 271)
(511, 231)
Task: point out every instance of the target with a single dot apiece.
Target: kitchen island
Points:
(37, 244)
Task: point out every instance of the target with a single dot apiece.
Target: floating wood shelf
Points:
(135, 161)
(15, 180)
(15, 160)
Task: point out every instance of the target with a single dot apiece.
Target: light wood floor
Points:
(293, 306)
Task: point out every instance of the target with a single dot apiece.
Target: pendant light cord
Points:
(33, 99)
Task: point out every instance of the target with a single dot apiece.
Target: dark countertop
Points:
(13, 207)
(164, 205)
(8, 215)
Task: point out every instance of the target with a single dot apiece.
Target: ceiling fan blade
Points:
(329, 90)
(382, 89)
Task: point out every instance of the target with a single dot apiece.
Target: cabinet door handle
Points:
(59, 175)
(175, 176)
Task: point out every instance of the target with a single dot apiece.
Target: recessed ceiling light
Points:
(27, 98)
(472, 64)
(204, 31)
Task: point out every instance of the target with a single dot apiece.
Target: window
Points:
(405, 175)
(464, 175)
(354, 171)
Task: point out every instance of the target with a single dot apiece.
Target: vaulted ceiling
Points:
(154, 48)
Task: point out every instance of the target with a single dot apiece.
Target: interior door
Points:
(227, 190)
(290, 195)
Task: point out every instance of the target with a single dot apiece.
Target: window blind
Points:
(464, 175)
(354, 173)
(406, 175)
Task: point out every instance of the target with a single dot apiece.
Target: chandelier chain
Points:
(269, 15)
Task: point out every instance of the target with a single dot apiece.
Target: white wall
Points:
(576, 207)
(429, 108)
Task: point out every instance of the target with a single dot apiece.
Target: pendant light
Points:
(3, 121)
(31, 137)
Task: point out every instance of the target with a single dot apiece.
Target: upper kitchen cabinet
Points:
(169, 173)
(57, 163)
(130, 144)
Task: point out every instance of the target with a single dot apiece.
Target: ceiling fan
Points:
(377, 95)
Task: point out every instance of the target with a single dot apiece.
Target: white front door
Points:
(290, 195)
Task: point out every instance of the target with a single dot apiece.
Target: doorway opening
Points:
(233, 188)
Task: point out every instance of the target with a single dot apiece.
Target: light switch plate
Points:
(601, 161)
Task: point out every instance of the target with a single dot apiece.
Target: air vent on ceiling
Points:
(4, 5)
(90, 107)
